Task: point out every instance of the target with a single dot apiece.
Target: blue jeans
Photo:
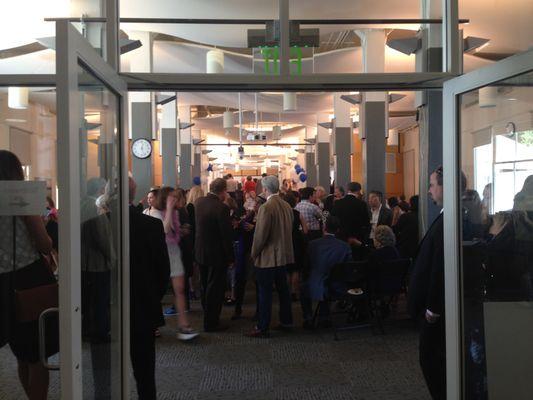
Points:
(267, 278)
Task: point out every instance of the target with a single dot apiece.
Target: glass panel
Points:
(100, 238)
(385, 36)
(497, 237)
(29, 132)
(499, 28)
(231, 46)
(27, 41)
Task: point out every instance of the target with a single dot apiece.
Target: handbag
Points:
(31, 302)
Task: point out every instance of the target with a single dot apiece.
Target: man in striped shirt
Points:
(311, 213)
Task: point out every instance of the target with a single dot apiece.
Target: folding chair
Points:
(387, 280)
(345, 276)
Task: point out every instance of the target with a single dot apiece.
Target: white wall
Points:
(41, 125)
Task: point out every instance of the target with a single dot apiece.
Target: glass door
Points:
(488, 229)
(93, 297)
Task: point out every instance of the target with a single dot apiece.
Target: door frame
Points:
(453, 89)
(73, 50)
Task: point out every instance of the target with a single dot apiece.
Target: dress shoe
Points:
(257, 333)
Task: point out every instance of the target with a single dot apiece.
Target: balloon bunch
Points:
(300, 172)
(210, 168)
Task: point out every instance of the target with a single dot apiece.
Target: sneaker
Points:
(170, 311)
(186, 334)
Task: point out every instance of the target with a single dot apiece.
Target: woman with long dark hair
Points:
(22, 242)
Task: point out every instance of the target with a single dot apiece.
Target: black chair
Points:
(345, 276)
(386, 282)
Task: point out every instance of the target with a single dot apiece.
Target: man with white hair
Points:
(272, 251)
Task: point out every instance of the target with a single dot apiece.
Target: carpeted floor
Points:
(296, 365)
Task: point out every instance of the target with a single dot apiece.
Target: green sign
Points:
(271, 57)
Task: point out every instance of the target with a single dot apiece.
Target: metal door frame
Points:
(74, 50)
(453, 89)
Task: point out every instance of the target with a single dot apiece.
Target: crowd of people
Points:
(231, 236)
(268, 236)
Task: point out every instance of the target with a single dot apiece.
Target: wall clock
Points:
(141, 148)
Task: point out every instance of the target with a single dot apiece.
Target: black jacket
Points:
(406, 231)
(214, 233)
(385, 216)
(353, 216)
(149, 270)
(426, 288)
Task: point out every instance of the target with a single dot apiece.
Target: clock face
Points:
(141, 148)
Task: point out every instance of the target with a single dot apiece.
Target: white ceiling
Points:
(506, 23)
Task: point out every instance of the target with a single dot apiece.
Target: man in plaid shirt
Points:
(311, 213)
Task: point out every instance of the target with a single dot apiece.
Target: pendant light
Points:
(289, 101)
(215, 61)
(228, 121)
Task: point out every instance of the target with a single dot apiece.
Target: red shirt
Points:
(249, 186)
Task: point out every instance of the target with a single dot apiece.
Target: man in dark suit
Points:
(149, 275)
(352, 213)
(323, 255)
(426, 297)
(213, 251)
(379, 214)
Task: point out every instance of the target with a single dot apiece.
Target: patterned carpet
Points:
(296, 365)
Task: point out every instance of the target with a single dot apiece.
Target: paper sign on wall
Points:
(22, 197)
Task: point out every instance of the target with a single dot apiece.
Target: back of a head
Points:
(333, 225)
(249, 178)
(393, 201)
(164, 192)
(271, 184)
(194, 194)
(218, 186)
(307, 192)
(10, 167)
(353, 187)
(384, 235)
(289, 198)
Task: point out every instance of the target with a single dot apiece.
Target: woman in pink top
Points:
(167, 202)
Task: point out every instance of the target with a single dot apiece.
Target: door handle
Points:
(42, 338)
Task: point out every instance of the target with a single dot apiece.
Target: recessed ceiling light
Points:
(17, 120)
(512, 99)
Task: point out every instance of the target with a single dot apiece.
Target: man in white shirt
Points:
(379, 215)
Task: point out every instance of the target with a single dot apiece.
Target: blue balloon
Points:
(303, 177)
(197, 181)
(297, 168)
(210, 168)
